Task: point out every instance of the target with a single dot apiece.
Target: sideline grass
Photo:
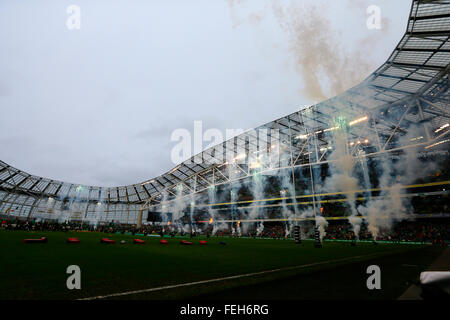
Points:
(38, 271)
(342, 283)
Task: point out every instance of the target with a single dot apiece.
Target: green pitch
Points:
(38, 271)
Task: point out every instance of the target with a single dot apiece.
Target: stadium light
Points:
(442, 127)
(174, 169)
(239, 157)
(255, 164)
(437, 143)
(303, 136)
(352, 123)
(330, 129)
(148, 182)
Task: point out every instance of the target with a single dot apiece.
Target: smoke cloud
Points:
(324, 65)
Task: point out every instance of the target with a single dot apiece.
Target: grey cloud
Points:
(97, 106)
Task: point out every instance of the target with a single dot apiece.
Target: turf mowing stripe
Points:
(226, 278)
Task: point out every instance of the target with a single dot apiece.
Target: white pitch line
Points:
(224, 278)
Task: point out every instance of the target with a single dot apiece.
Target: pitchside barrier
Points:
(305, 239)
(296, 239)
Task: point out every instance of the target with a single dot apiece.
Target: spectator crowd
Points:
(435, 231)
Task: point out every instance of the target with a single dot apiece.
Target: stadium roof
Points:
(414, 79)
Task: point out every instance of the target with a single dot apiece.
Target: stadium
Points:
(357, 180)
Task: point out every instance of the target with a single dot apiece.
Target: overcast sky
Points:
(98, 105)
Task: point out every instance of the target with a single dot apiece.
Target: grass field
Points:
(38, 271)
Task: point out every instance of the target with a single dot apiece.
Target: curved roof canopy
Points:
(415, 79)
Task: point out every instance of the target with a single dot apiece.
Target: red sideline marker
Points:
(41, 240)
(163, 241)
(186, 243)
(202, 242)
(106, 240)
(138, 241)
(73, 240)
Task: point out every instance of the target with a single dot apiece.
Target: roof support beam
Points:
(415, 66)
(429, 17)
